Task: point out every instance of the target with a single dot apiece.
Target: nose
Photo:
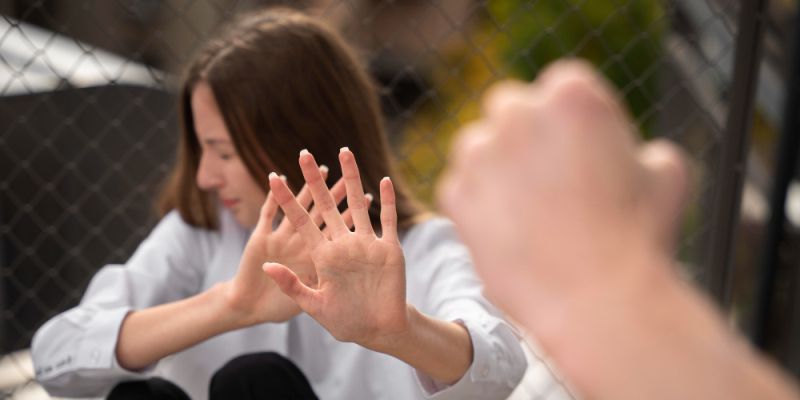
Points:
(208, 176)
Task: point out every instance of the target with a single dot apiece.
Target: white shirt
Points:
(74, 352)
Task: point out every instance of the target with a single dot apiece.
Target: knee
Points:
(263, 370)
(153, 388)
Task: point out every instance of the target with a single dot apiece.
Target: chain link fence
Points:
(88, 127)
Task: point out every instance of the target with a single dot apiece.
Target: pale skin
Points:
(572, 223)
(250, 298)
(360, 293)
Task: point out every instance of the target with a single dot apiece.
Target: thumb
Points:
(669, 181)
(291, 285)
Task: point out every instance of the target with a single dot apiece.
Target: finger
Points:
(338, 192)
(470, 142)
(291, 285)
(568, 67)
(500, 94)
(668, 185)
(347, 215)
(296, 214)
(267, 215)
(322, 196)
(577, 88)
(449, 194)
(304, 198)
(355, 192)
(388, 211)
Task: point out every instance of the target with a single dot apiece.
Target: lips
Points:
(229, 203)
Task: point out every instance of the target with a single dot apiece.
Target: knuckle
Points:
(574, 88)
(498, 94)
(566, 69)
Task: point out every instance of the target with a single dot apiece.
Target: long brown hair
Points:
(283, 82)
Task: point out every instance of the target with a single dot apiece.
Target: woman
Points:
(193, 306)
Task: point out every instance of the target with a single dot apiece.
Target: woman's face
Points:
(221, 171)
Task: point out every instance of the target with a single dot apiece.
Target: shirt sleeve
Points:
(74, 353)
(453, 292)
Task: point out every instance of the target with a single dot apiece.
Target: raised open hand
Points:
(360, 291)
(254, 295)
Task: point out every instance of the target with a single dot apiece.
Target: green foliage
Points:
(624, 39)
(517, 38)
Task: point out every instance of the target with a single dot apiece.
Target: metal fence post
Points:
(730, 171)
(786, 151)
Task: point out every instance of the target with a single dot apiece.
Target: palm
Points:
(253, 293)
(284, 245)
(360, 294)
(351, 269)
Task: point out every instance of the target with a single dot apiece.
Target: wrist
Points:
(439, 349)
(654, 324)
(228, 308)
(395, 341)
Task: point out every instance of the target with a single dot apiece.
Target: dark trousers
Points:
(251, 376)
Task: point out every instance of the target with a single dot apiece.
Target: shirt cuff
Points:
(498, 364)
(81, 363)
(98, 347)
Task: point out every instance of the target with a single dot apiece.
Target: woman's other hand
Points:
(251, 294)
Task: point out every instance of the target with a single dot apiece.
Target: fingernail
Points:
(343, 149)
(323, 168)
(304, 151)
(369, 196)
(273, 175)
(283, 177)
(386, 178)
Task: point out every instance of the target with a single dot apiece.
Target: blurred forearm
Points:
(659, 338)
(148, 335)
